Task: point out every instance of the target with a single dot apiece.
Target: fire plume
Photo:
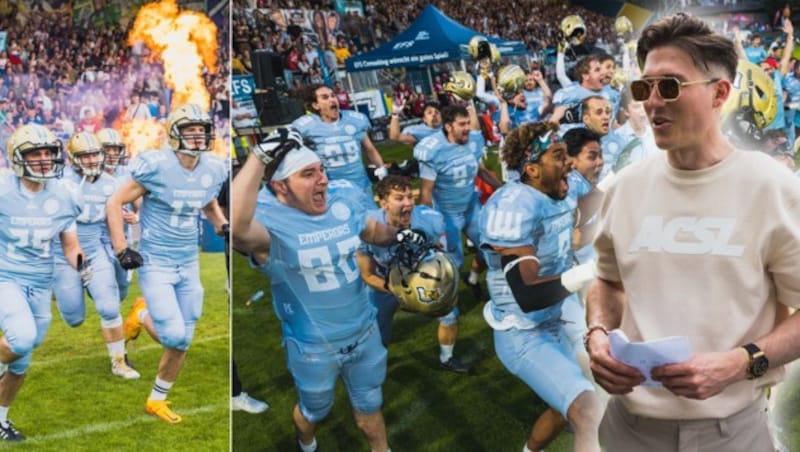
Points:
(185, 42)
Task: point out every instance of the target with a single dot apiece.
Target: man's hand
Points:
(129, 216)
(84, 269)
(130, 259)
(277, 145)
(614, 376)
(703, 376)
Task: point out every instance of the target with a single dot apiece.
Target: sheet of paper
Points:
(646, 355)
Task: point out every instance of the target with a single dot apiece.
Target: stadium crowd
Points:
(75, 77)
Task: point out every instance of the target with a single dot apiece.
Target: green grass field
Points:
(425, 408)
(71, 401)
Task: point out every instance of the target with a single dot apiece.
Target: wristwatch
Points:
(759, 364)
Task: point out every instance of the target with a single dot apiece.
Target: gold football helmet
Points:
(84, 143)
(114, 150)
(428, 286)
(189, 115)
(479, 48)
(29, 138)
(751, 106)
(461, 85)
(573, 29)
(495, 54)
(511, 80)
(623, 26)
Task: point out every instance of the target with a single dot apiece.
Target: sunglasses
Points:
(669, 88)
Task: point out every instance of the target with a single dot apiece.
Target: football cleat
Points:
(121, 369)
(454, 365)
(133, 326)
(243, 402)
(9, 433)
(161, 409)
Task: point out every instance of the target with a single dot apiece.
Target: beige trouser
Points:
(745, 431)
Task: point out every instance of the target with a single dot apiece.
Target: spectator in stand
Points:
(342, 96)
(341, 51)
(755, 51)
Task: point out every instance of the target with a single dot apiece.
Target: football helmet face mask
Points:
(751, 106)
(511, 80)
(574, 29)
(461, 85)
(114, 150)
(190, 115)
(32, 137)
(424, 280)
(479, 48)
(83, 144)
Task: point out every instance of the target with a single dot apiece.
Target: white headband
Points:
(294, 161)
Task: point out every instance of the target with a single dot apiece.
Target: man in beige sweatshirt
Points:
(700, 241)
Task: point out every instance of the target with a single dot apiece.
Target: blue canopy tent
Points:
(431, 38)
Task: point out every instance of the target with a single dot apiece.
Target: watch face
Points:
(759, 367)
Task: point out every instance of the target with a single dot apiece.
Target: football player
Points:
(175, 185)
(567, 100)
(411, 135)
(526, 237)
(398, 210)
(303, 233)
(339, 137)
(115, 161)
(449, 163)
(86, 156)
(36, 209)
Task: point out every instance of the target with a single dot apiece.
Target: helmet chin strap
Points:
(184, 149)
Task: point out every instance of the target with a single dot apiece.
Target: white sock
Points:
(473, 277)
(116, 348)
(445, 352)
(309, 447)
(525, 449)
(160, 389)
(387, 450)
(3, 413)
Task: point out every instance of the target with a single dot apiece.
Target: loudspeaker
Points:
(276, 108)
(267, 70)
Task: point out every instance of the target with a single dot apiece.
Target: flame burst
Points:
(185, 42)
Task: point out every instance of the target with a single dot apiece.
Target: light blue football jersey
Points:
(612, 145)
(533, 100)
(122, 174)
(517, 116)
(29, 223)
(519, 215)
(317, 290)
(338, 144)
(571, 97)
(578, 188)
(92, 220)
(423, 218)
(171, 207)
(420, 131)
(453, 167)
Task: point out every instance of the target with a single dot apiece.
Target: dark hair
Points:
(578, 137)
(310, 95)
(518, 143)
(705, 47)
(431, 104)
(393, 182)
(451, 112)
(583, 65)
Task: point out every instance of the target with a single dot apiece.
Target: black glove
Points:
(85, 270)
(225, 232)
(130, 259)
(411, 236)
